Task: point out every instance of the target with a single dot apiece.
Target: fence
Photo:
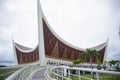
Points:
(64, 72)
(23, 73)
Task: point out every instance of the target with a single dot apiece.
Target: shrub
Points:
(99, 67)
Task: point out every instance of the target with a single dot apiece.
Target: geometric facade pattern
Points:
(54, 47)
(24, 58)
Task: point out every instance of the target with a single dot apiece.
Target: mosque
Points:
(51, 47)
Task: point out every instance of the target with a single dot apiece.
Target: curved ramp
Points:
(39, 75)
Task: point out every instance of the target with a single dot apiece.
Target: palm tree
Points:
(113, 63)
(89, 53)
(98, 59)
(117, 67)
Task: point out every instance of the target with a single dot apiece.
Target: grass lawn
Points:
(4, 73)
(102, 77)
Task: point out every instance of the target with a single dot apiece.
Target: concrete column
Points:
(62, 73)
(69, 74)
(54, 74)
(65, 71)
(97, 75)
(40, 36)
(57, 73)
(83, 72)
(79, 74)
(76, 72)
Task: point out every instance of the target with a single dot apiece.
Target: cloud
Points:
(86, 22)
(5, 52)
(19, 22)
(24, 21)
(114, 50)
(83, 23)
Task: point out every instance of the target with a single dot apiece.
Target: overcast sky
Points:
(83, 23)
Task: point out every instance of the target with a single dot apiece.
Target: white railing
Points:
(47, 74)
(23, 73)
(59, 72)
(53, 75)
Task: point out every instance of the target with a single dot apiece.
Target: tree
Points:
(89, 53)
(79, 61)
(117, 67)
(104, 65)
(112, 63)
(76, 61)
(98, 59)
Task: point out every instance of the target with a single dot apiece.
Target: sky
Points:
(83, 23)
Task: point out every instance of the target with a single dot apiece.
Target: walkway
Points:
(39, 75)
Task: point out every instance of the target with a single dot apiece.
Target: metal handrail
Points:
(23, 73)
(57, 72)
